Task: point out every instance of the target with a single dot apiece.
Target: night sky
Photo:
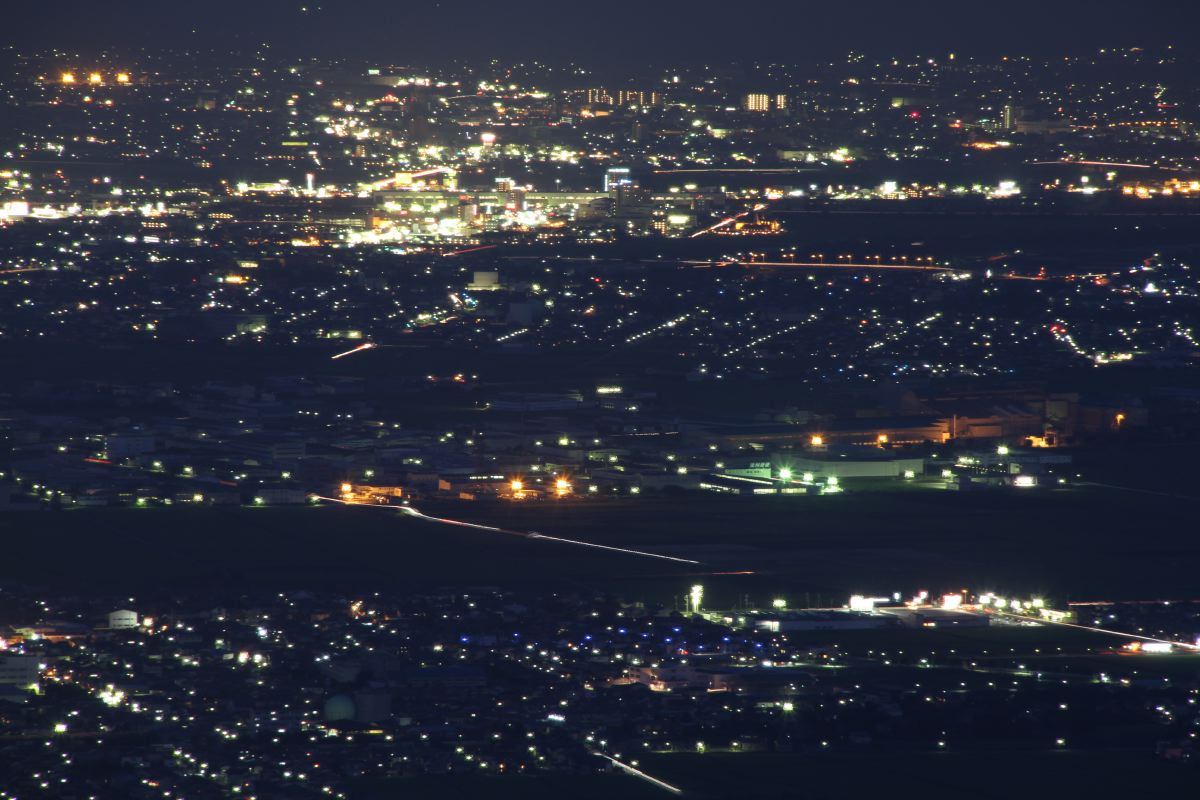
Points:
(601, 31)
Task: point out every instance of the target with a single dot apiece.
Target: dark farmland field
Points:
(862, 774)
(986, 774)
(1076, 544)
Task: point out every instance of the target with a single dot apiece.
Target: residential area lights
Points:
(242, 294)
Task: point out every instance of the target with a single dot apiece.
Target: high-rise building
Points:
(514, 200)
(629, 199)
(638, 97)
(761, 101)
(617, 176)
(623, 97)
(468, 210)
(1011, 116)
(756, 102)
(20, 670)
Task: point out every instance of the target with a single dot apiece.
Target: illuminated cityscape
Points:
(539, 402)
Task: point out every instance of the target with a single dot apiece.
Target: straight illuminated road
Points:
(819, 265)
(1131, 636)
(359, 349)
(637, 773)
(729, 220)
(412, 512)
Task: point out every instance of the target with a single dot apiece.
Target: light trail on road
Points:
(766, 170)
(1070, 163)
(470, 250)
(819, 265)
(637, 773)
(1136, 636)
(729, 220)
(359, 349)
(1137, 490)
(1130, 603)
(413, 512)
(386, 182)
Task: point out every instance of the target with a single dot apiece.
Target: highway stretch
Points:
(532, 535)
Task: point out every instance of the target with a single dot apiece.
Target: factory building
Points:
(855, 462)
(819, 619)
(122, 620)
